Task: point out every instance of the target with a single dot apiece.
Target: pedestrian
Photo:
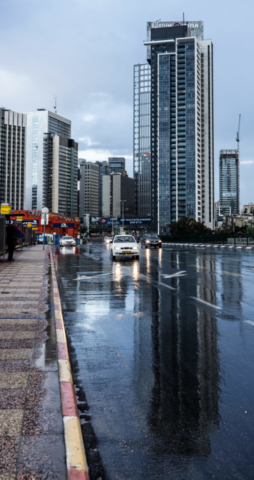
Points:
(12, 234)
(11, 242)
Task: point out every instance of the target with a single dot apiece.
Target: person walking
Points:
(10, 241)
(12, 234)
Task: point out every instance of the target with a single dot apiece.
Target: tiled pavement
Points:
(31, 426)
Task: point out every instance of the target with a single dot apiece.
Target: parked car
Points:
(150, 240)
(124, 246)
(67, 242)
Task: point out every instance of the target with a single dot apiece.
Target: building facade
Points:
(141, 140)
(182, 138)
(229, 182)
(116, 164)
(12, 158)
(103, 170)
(39, 123)
(118, 195)
(89, 189)
(60, 174)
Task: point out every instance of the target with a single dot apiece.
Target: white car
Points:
(67, 242)
(124, 246)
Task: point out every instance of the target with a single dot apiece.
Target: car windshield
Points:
(68, 238)
(124, 239)
(153, 236)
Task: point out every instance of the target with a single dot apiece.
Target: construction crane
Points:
(238, 135)
(238, 163)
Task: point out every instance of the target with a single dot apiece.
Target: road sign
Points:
(45, 210)
(5, 208)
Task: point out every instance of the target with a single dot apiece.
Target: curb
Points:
(206, 245)
(77, 468)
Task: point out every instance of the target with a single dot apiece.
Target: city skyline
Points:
(100, 105)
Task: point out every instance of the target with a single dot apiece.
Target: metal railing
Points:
(224, 239)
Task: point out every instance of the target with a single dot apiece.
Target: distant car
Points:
(124, 246)
(67, 242)
(108, 239)
(151, 240)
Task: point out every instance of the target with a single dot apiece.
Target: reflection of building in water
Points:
(182, 365)
(232, 286)
(208, 372)
(206, 284)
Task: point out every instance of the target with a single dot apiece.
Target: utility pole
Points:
(44, 211)
(123, 212)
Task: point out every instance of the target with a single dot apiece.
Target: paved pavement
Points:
(31, 424)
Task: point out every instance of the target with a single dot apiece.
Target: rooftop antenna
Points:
(55, 106)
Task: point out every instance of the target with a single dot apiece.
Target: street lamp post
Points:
(45, 211)
(123, 212)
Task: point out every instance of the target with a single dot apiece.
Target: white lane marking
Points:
(150, 280)
(86, 277)
(177, 274)
(164, 285)
(250, 322)
(206, 303)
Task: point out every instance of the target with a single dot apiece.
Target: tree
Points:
(250, 231)
(188, 226)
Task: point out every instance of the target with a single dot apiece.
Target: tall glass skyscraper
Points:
(141, 140)
(229, 182)
(181, 123)
(38, 123)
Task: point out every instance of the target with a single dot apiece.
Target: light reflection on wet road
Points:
(164, 352)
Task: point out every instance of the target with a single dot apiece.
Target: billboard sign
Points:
(64, 225)
(119, 221)
(32, 223)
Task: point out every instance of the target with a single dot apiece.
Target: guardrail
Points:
(236, 240)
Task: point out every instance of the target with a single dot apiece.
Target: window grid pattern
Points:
(141, 141)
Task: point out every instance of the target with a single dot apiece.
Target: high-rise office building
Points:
(118, 195)
(12, 158)
(141, 141)
(116, 164)
(103, 170)
(60, 174)
(182, 152)
(229, 182)
(38, 123)
(89, 189)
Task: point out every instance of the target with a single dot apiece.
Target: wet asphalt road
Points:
(166, 362)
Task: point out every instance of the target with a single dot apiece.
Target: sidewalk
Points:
(31, 423)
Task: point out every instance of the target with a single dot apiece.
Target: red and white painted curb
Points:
(77, 468)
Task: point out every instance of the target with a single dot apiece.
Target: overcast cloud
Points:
(83, 51)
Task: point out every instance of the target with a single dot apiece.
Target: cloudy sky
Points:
(83, 51)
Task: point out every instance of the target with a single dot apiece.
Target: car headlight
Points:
(147, 241)
(117, 248)
(135, 248)
(159, 240)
